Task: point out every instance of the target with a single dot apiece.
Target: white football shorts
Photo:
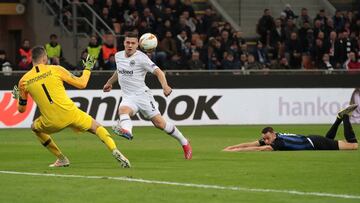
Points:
(141, 102)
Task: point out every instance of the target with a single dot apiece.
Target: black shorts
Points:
(323, 143)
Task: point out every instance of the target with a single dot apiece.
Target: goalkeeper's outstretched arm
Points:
(79, 82)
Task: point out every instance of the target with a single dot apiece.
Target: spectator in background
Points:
(282, 64)
(110, 64)
(237, 37)
(213, 62)
(107, 49)
(304, 17)
(5, 64)
(53, 48)
(195, 63)
(24, 55)
(329, 27)
(229, 62)
(276, 40)
(181, 39)
(107, 18)
(168, 45)
(253, 64)
(290, 27)
(208, 18)
(293, 51)
(260, 54)
(331, 48)
(304, 35)
(149, 18)
(200, 47)
(318, 51)
(142, 5)
(339, 21)
(182, 26)
(3, 58)
(289, 12)
(93, 49)
(132, 19)
(175, 63)
(352, 63)
(158, 10)
(265, 24)
(344, 46)
(144, 27)
(243, 61)
(321, 17)
(187, 6)
(225, 41)
(325, 63)
(55, 61)
(318, 27)
(278, 34)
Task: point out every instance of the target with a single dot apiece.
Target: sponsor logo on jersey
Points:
(126, 72)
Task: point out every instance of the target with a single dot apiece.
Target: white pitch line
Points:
(203, 186)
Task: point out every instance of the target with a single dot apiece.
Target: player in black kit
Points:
(272, 140)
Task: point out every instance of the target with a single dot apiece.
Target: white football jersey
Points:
(132, 71)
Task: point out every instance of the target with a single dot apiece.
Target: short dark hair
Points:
(267, 129)
(53, 36)
(37, 52)
(131, 35)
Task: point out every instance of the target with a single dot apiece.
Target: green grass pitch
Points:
(157, 157)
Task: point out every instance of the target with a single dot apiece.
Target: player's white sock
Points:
(125, 122)
(172, 130)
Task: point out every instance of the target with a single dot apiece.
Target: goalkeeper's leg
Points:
(48, 142)
(105, 137)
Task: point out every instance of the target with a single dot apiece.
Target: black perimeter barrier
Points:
(212, 80)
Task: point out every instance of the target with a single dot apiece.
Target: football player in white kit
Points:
(132, 66)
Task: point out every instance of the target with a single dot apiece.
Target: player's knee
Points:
(159, 124)
(94, 126)
(33, 128)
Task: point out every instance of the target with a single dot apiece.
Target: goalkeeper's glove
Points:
(15, 92)
(89, 62)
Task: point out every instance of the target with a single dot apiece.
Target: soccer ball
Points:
(148, 42)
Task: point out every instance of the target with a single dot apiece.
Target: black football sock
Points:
(332, 131)
(348, 130)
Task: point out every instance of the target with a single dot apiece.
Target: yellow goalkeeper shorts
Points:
(77, 119)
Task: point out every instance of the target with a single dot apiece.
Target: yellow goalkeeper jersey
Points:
(45, 85)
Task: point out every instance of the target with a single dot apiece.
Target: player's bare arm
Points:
(243, 145)
(247, 149)
(162, 79)
(108, 86)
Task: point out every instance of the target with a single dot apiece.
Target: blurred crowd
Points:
(188, 40)
(303, 41)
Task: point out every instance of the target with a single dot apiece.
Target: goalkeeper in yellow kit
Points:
(44, 83)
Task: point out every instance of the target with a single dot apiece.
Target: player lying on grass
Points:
(272, 140)
(44, 83)
(132, 66)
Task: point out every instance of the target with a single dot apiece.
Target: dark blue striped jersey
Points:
(285, 141)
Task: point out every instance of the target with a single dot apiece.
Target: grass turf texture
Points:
(156, 156)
